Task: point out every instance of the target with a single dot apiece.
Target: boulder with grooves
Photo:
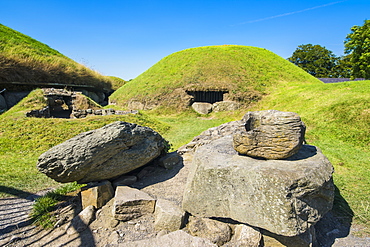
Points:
(270, 134)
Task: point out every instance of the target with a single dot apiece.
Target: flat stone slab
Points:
(284, 197)
(130, 203)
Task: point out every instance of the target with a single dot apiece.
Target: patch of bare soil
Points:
(16, 230)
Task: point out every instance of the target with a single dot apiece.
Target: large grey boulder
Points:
(101, 154)
(270, 134)
(284, 197)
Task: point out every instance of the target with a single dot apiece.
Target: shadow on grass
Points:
(336, 223)
(18, 193)
(16, 225)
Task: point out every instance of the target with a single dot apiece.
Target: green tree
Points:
(357, 44)
(315, 59)
(343, 68)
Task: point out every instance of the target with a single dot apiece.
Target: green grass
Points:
(338, 122)
(245, 72)
(41, 210)
(24, 59)
(185, 126)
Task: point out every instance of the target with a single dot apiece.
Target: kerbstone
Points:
(284, 197)
(101, 154)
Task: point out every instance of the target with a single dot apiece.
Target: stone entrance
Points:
(207, 96)
(60, 102)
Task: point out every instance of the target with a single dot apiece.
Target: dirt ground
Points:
(16, 230)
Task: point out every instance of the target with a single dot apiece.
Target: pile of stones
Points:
(250, 181)
(78, 113)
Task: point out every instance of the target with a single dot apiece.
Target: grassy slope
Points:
(240, 69)
(23, 139)
(337, 117)
(24, 59)
(338, 121)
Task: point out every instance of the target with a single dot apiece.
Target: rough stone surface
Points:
(202, 107)
(178, 238)
(225, 106)
(217, 232)
(270, 134)
(131, 203)
(168, 216)
(307, 239)
(97, 194)
(169, 160)
(245, 236)
(124, 180)
(81, 221)
(101, 154)
(282, 196)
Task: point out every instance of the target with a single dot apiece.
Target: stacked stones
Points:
(82, 113)
(255, 173)
(263, 176)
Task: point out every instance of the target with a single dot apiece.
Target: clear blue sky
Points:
(126, 37)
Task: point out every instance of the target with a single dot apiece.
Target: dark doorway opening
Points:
(207, 96)
(60, 106)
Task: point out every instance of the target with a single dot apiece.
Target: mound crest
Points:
(26, 63)
(208, 74)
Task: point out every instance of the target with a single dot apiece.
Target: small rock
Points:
(145, 172)
(81, 221)
(124, 180)
(168, 216)
(161, 233)
(216, 231)
(169, 160)
(202, 108)
(131, 203)
(226, 106)
(245, 236)
(96, 195)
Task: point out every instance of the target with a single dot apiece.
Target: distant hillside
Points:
(28, 61)
(243, 73)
